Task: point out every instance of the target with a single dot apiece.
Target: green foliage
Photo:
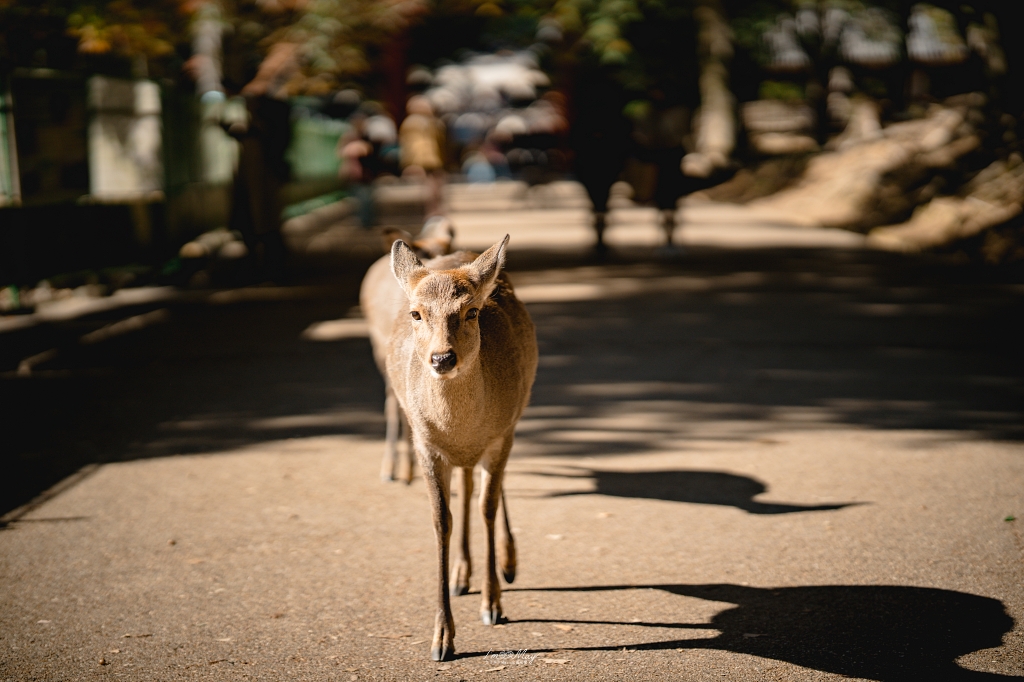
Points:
(785, 91)
(751, 22)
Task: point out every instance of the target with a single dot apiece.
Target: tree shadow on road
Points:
(725, 344)
(695, 487)
(878, 632)
(738, 345)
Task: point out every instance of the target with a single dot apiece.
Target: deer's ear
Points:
(407, 267)
(435, 239)
(392, 235)
(484, 270)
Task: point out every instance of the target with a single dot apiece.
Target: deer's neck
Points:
(449, 404)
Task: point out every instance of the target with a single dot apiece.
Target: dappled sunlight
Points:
(638, 355)
(664, 358)
(335, 330)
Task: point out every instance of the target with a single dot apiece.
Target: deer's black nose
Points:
(443, 362)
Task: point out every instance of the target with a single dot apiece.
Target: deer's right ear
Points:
(407, 267)
(484, 270)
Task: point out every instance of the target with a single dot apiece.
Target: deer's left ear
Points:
(406, 266)
(484, 270)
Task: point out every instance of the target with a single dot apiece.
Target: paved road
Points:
(778, 456)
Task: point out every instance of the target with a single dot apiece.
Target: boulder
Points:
(876, 174)
(993, 197)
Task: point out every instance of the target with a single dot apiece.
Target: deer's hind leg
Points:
(393, 418)
(507, 545)
(491, 477)
(396, 429)
(410, 450)
(462, 567)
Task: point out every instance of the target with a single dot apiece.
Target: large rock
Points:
(992, 198)
(843, 188)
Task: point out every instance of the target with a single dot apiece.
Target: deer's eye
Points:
(472, 313)
(416, 315)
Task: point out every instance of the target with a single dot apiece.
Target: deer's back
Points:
(381, 299)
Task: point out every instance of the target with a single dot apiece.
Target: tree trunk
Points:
(716, 124)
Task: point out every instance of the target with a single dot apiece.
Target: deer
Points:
(381, 299)
(461, 361)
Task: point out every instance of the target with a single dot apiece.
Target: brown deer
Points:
(381, 300)
(461, 362)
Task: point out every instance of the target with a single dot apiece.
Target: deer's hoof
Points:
(442, 646)
(460, 578)
(442, 653)
(509, 574)
(491, 616)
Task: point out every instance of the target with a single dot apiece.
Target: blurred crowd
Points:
(487, 118)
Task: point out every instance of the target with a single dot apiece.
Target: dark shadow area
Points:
(695, 487)
(718, 344)
(215, 375)
(874, 632)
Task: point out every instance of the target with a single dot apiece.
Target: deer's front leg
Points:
(490, 494)
(462, 567)
(437, 474)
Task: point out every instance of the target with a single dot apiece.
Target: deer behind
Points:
(461, 362)
(382, 300)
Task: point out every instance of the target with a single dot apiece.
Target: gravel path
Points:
(792, 461)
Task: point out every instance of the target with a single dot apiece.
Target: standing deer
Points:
(381, 300)
(461, 362)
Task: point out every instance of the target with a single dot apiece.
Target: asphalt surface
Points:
(774, 456)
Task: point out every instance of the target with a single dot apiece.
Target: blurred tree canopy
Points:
(100, 36)
(638, 45)
(339, 38)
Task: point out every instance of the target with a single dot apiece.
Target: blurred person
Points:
(358, 166)
(383, 136)
(421, 139)
(344, 103)
(599, 139)
(467, 131)
(491, 150)
(659, 136)
(366, 151)
(477, 169)
(262, 168)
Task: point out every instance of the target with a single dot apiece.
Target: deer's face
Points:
(444, 306)
(444, 310)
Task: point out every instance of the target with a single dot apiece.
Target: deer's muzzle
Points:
(443, 362)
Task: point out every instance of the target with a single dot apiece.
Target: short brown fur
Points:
(462, 363)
